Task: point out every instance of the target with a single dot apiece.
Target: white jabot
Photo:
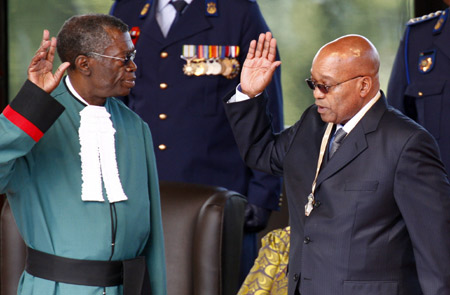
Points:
(98, 154)
(165, 14)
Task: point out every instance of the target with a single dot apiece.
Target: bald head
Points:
(347, 68)
(352, 55)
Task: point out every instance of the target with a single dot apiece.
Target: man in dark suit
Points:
(180, 97)
(374, 217)
(419, 85)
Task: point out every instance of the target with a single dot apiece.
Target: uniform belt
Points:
(131, 273)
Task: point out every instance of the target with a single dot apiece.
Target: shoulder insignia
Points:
(423, 18)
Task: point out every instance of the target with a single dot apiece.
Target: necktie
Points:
(179, 5)
(338, 138)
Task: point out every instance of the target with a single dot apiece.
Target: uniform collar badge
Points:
(144, 11)
(440, 23)
(211, 8)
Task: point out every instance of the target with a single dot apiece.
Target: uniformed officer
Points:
(189, 57)
(419, 85)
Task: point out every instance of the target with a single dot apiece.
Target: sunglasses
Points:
(323, 87)
(129, 57)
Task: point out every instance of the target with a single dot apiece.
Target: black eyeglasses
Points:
(325, 88)
(130, 57)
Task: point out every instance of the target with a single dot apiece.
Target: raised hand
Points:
(41, 66)
(259, 65)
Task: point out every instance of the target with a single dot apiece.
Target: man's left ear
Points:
(82, 65)
(365, 86)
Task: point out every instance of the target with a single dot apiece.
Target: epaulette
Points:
(420, 19)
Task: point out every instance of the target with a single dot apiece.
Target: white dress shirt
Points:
(165, 14)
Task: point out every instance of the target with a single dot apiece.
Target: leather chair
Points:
(203, 228)
(12, 254)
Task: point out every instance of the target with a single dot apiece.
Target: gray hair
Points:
(82, 34)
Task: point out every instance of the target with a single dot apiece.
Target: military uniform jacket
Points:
(40, 172)
(382, 217)
(419, 85)
(193, 140)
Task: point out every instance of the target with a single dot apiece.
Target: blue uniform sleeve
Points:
(398, 80)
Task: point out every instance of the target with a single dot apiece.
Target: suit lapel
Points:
(441, 42)
(150, 28)
(356, 141)
(352, 146)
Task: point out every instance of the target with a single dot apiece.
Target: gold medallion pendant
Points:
(189, 68)
(200, 67)
(231, 67)
(216, 66)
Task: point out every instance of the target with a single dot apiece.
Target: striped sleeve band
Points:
(33, 110)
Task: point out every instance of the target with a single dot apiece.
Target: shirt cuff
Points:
(239, 96)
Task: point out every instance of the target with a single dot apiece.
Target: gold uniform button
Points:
(420, 93)
(162, 147)
(163, 85)
(162, 116)
(164, 54)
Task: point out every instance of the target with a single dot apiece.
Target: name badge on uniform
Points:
(427, 60)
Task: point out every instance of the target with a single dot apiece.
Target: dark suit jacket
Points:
(200, 146)
(381, 225)
(423, 92)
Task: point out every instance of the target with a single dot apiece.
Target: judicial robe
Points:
(40, 172)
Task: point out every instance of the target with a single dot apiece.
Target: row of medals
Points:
(228, 67)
